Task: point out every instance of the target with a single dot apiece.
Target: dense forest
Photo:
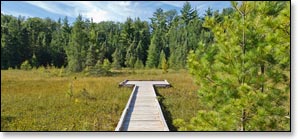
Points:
(135, 44)
(239, 57)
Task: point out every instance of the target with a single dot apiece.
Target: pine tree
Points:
(153, 54)
(163, 62)
(117, 59)
(91, 53)
(58, 44)
(33, 61)
(131, 55)
(76, 51)
(106, 65)
(162, 59)
(139, 64)
(11, 44)
(158, 40)
(144, 41)
(242, 84)
(183, 36)
(102, 51)
(141, 52)
(173, 43)
(188, 13)
(91, 57)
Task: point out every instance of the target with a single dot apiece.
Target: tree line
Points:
(165, 40)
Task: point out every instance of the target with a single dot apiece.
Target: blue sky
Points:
(101, 10)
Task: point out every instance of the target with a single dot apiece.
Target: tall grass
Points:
(32, 101)
(37, 100)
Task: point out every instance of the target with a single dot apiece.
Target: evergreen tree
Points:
(183, 36)
(144, 42)
(188, 13)
(76, 51)
(57, 45)
(33, 61)
(162, 59)
(11, 42)
(91, 57)
(141, 52)
(173, 35)
(158, 40)
(163, 62)
(117, 59)
(139, 64)
(131, 55)
(91, 53)
(241, 80)
(106, 65)
(153, 54)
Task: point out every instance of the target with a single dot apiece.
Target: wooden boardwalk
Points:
(143, 112)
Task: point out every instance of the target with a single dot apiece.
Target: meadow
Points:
(52, 100)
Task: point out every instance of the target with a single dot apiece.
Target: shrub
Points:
(26, 65)
(106, 65)
(61, 71)
(164, 66)
(99, 69)
(139, 64)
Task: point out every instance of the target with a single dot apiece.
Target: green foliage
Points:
(100, 69)
(106, 65)
(77, 46)
(91, 57)
(69, 93)
(163, 62)
(153, 54)
(131, 55)
(14, 42)
(162, 58)
(76, 51)
(139, 64)
(184, 35)
(134, 41)
(117, 59)
(61, 72)
(243, 83)
(26, 65)
(188, 13)
(165, 66)
(33, 61)
(240, 58)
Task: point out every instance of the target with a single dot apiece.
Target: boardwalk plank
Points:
(143, 112)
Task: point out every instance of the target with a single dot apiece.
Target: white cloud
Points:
(124, 3)
(99, 11)
(120, 8)
(110, 10)
(88, 9)
(97, 15)
(178, 4)
(16, 14)
(50, 7)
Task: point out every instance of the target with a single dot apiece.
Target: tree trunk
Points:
(262, 74)
(243, 120)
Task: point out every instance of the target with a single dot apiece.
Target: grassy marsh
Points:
(38, 100)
